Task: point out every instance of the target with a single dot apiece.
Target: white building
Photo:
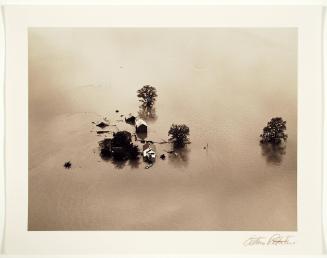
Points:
(149, 153)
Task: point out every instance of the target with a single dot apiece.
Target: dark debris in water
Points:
(163, 156)
(149, 166)
(117, 110)
(67, 165)
(101, 132)
(102, 125)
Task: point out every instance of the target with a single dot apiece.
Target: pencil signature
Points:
(273, 240)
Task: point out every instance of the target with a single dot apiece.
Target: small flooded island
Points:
(125, 145)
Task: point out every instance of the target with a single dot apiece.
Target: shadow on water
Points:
(141, 136)
(147, 113)
(118, 163)
(179, 157)
(134, 163)
(273, 153)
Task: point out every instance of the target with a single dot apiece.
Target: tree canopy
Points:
(121, 139)
(120, 147)
(179, 134)
(274, 132)
(147, 95)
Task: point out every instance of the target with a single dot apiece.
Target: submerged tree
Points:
(120, 147)
(134, 151)
(179, 134)
(68, 165)
(147, 113)
(273, 153)
(121, 139)
(274, 132)
(147, 95)
(105, 148)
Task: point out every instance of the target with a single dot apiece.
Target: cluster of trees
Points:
(120, 147)
(179, 133)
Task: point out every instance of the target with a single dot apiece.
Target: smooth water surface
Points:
(225, 84)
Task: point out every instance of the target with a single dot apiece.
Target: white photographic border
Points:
(308, 21)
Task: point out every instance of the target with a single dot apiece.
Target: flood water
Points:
(225, 84)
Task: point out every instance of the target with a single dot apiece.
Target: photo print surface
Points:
(162, 129)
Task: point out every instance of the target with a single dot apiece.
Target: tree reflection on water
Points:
(147, 113)
(273, 152)
(179, 157)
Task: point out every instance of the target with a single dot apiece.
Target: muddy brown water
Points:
(225, 84)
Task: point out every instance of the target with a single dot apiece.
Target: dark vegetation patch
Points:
(273, 140)
(102, 125)
(179, 135)
(274, 132)
(120, 147)
(67, 165)
(101, 132)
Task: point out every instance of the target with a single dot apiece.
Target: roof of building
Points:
(149, 146)
(140, 122)
(130, 116)
(149, 151)
(146, 146)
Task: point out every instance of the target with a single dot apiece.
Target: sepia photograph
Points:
(163, 129)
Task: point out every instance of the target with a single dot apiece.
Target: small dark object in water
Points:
(68, 165)
(102, 125)
(121, 115)
(148, 166)
(117, 110)
(130, 119)
(163, 156)
(100, 132)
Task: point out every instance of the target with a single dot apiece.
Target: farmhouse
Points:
(149, 153)
(141, 126)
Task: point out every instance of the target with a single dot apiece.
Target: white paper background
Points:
(306, 19)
